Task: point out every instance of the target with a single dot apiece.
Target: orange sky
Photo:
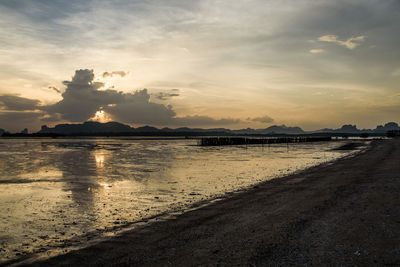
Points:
(313, 64)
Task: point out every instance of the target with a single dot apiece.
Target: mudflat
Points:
(345, 213)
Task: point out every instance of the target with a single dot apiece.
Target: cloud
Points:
(317, 51)
(396, 72)
(17, 103)
(350, 43)
(217, 45)
(110, 74)
(264, 119)
(55, 89)
(17, 120)
(203, 121)
(137, 108)
(166, 95)
(82, 98)
(51, 118)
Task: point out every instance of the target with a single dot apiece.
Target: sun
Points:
(100, 116)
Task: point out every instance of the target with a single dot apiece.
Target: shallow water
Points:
(55, 193)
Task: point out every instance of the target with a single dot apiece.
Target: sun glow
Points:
(100, 116)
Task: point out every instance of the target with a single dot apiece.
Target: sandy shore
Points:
(346, 213)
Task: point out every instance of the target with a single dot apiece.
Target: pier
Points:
(231, 141)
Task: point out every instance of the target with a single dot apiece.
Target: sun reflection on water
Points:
(100, 159)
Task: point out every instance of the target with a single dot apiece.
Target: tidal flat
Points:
(343, 213)
(59, 194)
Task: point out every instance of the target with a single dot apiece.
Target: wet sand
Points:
(345, 213)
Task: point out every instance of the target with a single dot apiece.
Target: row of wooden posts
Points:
(230, 141)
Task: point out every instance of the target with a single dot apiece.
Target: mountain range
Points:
(116, 128)
(91, 127)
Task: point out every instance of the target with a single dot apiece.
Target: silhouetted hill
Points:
(324, 130)
(245, 131)
(116, 128)
(390, 126)
(188, 130)
(88, 127)
(348, 128)
(352, 129)
(283, 130)
(275, 129)
(145, 129)
(91, 128)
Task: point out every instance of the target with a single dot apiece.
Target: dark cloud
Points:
(17, 120)
(263, 119)
(110, 74)
(166, 95)
(137, 108)
(45, 10)
(51, 118)
(55, 89)
(17, 103)
(82, 99)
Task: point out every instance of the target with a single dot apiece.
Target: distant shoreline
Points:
(113, 128)
(181, 135)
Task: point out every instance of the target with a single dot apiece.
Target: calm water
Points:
(57, 193)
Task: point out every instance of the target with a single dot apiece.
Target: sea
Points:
(62, 194)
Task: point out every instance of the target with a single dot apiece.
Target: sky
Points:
(209, 63)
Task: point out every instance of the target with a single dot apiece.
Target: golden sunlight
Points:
(100, 116)
(99, 160)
